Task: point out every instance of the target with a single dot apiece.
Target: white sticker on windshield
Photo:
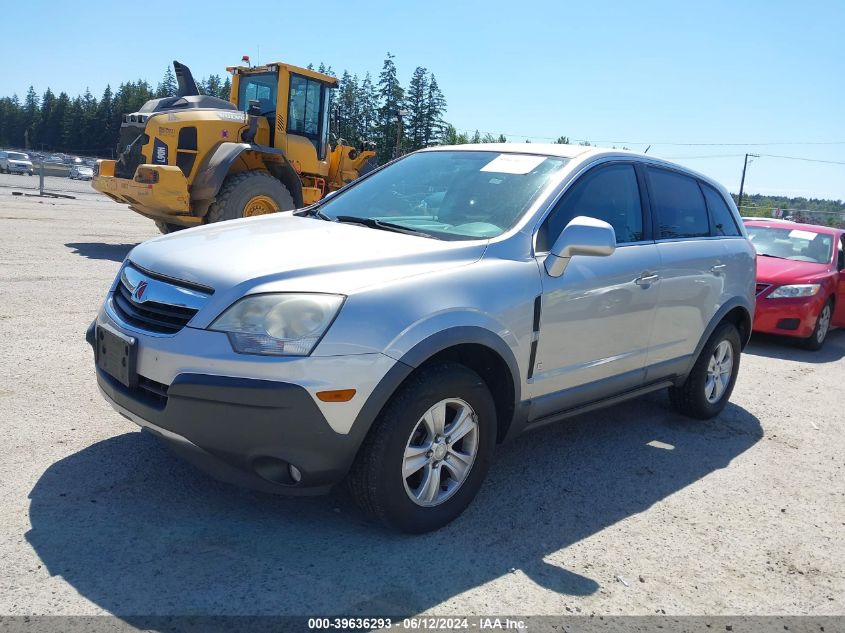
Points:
(513, 164)
(802, 235)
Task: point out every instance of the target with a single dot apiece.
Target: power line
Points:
(811, 160)
(673, 144)
(707, 156)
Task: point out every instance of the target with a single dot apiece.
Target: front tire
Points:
(247, 194)
(166, 227)
(709, 385)
(428, 452)
(815, 341)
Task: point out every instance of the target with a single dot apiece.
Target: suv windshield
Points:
(453, 195)
(789, 243)
(17, 156)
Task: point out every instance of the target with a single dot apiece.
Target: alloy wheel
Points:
(719, 371)
(824, 323)
(440, 452)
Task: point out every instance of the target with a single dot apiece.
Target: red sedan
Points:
(800, 279)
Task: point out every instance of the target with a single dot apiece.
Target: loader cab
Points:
(295, 101)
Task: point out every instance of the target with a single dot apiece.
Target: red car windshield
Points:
(801, 245)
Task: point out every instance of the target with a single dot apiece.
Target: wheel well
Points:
(495, 373)
(742, 320)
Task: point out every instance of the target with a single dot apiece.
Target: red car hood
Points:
(772, 270)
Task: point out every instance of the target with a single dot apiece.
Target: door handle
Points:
(718, 269)
(646, 279)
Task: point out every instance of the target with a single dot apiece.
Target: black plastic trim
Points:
(462, 335)
(599, 404)
(237, 425)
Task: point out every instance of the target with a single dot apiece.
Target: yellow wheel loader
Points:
(193, 159)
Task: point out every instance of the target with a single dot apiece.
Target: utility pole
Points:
(742, 182)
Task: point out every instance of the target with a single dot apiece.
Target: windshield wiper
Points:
(775, 256)
(373, 223)
(313, 212)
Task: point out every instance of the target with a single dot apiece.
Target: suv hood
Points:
(297, 254)
(772, 270)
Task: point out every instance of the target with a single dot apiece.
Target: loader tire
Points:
(247, 194)
(166, 227)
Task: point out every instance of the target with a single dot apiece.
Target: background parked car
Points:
(81, 172)
(15, 163)
(800, 279)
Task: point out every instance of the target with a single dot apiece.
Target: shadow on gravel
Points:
(138, 532)
(786, 348)
(101, 250)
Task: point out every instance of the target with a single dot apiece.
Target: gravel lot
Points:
(632, 510)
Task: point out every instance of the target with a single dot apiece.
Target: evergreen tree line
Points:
(363, 109)
(84, 124)
(759, 205)
(368, 110)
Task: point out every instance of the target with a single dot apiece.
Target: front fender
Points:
(216, 165)
(426, 348)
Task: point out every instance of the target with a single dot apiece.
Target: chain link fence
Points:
(48, 179)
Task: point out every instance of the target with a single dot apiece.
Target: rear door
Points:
(694, 264)
(596, 318)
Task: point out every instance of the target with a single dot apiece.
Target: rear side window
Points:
(607, 193)
(679, 205)
(720, 215)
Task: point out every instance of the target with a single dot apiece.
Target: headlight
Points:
(278, 324)
(797, 290)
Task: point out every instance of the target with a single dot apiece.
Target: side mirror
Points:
(582, 236)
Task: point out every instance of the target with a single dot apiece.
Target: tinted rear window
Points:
(721, 216)
(679, 205)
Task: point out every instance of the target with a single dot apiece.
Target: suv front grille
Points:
(155, 393)
(155, 304)
(156, 317)
(761, 288)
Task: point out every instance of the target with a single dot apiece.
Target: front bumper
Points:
(20, 169)
(167, 199)
(242, 431)
(245, 419)
(787, 317)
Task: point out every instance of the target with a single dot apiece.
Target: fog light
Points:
(295, 474)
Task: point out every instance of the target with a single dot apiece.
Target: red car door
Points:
(839, 312)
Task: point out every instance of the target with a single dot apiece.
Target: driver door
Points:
(596, 318)
(839, 312)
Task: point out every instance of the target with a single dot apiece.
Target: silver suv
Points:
(394, 333)
(15, 163)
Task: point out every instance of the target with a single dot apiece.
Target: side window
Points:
(609, 193)
(304, 110)
(678, 204)
(720, 215)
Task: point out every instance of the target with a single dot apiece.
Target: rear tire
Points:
(378, 480)
(249, 193)
(708, 387)
(815, 341)
(166, 227)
